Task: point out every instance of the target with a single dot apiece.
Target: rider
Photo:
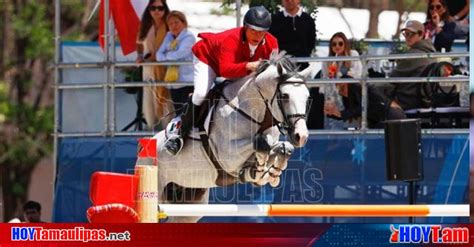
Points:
(232, 54)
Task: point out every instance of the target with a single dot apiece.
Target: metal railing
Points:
(110, 86)
(110, 65)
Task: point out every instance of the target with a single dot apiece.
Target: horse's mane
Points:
(279, 60)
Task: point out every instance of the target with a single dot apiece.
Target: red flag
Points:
(126, 22)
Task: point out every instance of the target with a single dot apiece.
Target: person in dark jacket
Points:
(378, 109)
(296, 34)
(294, 29)
(439, 27)
(407, 95)
(459, 11)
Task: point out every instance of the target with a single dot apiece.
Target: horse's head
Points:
(286, 92)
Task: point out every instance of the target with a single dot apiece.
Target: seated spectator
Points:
(459, 11)
(340, 46)
(378, 105)
(177, 47)
(438, 26)
(32, 212)
(407, 95)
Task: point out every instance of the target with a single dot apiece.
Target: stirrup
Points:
(174, 144)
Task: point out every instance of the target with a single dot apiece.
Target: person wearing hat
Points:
(232, 54)
(406, 95)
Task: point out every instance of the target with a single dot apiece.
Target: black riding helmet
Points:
(258, 18)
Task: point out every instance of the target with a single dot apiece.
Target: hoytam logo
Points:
(435, 234)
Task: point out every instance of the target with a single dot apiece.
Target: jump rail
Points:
(308, 210)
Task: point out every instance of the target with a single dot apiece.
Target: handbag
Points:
(441, 96)
(172, 72)
(445, 98)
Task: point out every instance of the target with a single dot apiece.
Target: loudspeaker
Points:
(404, 157)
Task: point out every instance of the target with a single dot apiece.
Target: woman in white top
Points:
(177, 47)
(340, 46)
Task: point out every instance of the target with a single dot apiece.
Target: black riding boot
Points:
(174, 144)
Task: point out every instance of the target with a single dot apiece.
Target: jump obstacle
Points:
(134, 198)
(311, 210)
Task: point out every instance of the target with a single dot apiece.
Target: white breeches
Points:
(204, 77)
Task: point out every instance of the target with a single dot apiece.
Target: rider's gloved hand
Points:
(252, 66)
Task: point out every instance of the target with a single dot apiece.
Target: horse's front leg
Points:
(278, 162)
(271, 159)
(270, 165)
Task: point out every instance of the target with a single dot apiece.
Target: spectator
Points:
(32, 212)
(153, 28)
(378, 105)
(295, 31)
(177, 46)
(407, 95)
(234, 53)
(438, 26)
(459, 10)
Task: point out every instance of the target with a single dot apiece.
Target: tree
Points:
(26, 96)
(375, 8)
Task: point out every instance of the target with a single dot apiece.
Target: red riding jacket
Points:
(228, 52)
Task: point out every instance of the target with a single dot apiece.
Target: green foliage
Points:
(224, 10)
(271, 5)
(4, 105)
(33, 25)
(415, 5)
(398, 46)
(72, 11)
(25, 125)
(360, 46)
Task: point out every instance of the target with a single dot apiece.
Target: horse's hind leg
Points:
(175, 194)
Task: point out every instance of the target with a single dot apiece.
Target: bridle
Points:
(284, 79)
(284, 126)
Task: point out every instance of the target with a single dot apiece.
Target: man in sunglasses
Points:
(406, 95)
(232, 54)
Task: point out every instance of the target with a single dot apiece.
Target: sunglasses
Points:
(436, 6)
(340, 43)
(408, 34)
(154, 8)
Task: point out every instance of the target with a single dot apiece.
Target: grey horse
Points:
(234, 126)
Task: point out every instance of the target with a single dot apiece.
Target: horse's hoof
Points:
(274, 182)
